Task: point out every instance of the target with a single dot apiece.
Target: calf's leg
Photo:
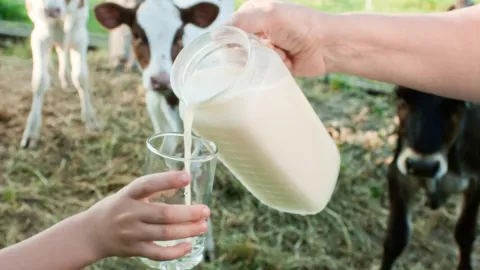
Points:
(130, 61)
(78, 58)
(41, 48)
(161, 114)
(116, 49)
(466, 227)
(209, 243)
(62, 54)
(163, 121)
(398, 230)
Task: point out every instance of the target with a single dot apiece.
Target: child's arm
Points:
(121, 225)
(64, 246)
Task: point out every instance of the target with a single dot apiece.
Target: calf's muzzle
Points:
(422, 167)
(53, 12)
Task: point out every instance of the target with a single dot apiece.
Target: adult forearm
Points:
(438, 53)
(61, 247)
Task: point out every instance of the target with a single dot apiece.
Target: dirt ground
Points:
(71, 169)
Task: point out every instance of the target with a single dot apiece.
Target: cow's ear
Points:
(111, 15)
(201, 15)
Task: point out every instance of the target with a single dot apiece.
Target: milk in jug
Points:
(238, 93)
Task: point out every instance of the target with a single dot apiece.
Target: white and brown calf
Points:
(61, 24)
(160, 29)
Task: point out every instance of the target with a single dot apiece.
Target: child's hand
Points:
(125, 224)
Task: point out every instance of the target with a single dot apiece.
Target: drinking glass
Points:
(165, 152)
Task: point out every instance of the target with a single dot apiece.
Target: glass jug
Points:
(250, 106)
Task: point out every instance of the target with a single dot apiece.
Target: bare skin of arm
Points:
(62, 246)
(437, 52)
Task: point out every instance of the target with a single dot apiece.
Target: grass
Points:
(71, 169)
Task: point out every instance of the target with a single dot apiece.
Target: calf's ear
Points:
(111, 15)
(201, 15)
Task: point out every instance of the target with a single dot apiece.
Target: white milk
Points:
(192, 99)
(270, 138)
(187, 136)
(193, 96)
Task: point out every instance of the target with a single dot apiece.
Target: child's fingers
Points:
(161, 194)
(159, 253)
(159, 213)
(147, 185)
(153, 232)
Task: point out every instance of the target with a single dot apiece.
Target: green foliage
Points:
(12, 11)
(391, 6)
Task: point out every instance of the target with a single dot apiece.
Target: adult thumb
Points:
(252, 17)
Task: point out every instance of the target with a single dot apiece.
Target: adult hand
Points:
(126, 224)
(293, 31)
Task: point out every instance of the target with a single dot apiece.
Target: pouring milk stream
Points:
(193, 98)
(237, 92)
